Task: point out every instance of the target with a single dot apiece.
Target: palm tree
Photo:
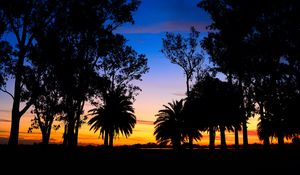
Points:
(115, 117)
(169, 124)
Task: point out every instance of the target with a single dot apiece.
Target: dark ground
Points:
(56, 159)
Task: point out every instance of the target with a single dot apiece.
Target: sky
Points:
(164, 82)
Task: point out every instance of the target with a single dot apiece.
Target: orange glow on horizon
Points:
(142, 134)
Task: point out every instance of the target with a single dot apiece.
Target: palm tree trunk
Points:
(223, 139)
(236, 137)
(105, 138)
(212, 136)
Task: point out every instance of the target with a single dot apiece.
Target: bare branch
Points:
(5, 91)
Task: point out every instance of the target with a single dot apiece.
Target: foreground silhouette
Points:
(130, 160)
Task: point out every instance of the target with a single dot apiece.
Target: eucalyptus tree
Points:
(81, 35)
(217, 107)
(24, 19)
(256, 43)
(184, 52)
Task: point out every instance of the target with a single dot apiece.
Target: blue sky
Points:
(165, 81)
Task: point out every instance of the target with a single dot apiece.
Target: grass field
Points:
(129, 160)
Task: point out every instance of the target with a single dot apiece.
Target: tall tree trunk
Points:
(106, 138)
(245, 116)
(187, 86)
(71, 127)
(77, 129)
(111, 139)
(280, 138)
(47, 131)
(71, 111)
(236, 137)
(15, 117)
(45, 138)
(65, 134)
(188, 77)
(78, 113)
(212, 136)
(245, 133)
(266, 142)
(14, 131)
(223, 139)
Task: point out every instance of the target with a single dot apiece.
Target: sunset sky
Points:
(163, 83)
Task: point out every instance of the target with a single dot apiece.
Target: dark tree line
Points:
(255, 44)
(66, 54)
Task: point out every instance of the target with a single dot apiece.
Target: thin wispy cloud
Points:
(9, 111)
(5, 120)
(176, 26)
(179, 94)
(3, 110)
(145, 122)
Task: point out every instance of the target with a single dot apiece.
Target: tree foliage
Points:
(252, 43)
(184, 52)
(114, 117)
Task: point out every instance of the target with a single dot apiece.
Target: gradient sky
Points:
(163, 83)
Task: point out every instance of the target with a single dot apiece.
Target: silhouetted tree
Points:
(217, 106)
(169, 126)
(82, 34)
(123, 65)
(114, 117)
(185, 53)
(257, 42)
(225, 43)
(24, 20)
(120, 67)
(47, 106)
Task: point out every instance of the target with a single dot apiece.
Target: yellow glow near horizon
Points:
(142, 134)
